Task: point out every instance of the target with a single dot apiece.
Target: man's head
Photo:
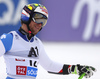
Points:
(34, 16)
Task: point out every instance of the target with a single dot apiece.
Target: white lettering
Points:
(12, 15)
(93, 9)
(21, 4)
(32, 72)
(18, 68)
(7, 15)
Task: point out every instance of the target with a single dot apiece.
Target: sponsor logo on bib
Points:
(21, 70)
(24, 70)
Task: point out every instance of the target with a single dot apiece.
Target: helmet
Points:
(36, 12)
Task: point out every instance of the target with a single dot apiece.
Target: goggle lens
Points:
(39, 18)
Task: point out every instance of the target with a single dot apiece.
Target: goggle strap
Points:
(33, 19)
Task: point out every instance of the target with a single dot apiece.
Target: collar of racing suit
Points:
(25, 33)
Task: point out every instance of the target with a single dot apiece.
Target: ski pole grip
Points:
(81, 76)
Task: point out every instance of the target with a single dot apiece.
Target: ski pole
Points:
(81, 76)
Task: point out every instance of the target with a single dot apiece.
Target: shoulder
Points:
(7, 36)
(7, 39)
(37, 39)
(39, 42)
(41, 46)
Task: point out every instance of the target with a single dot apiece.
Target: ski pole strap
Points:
(81, 76)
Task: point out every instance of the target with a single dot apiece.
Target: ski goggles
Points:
(39, 18)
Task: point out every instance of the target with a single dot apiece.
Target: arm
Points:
(52, 66)
(5, 43)
(57, 68)
(2, 48)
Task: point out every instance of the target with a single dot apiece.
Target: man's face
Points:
(35, 27)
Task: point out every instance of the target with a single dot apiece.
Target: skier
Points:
(23, 51)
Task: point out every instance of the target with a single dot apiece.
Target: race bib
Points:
(24, 70)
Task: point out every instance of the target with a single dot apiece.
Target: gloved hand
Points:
(79, 69)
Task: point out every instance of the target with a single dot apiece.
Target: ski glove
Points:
(79, 69)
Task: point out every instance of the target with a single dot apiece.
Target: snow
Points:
(68, 53)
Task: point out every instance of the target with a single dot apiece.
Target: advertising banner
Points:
(10, 13)
(72, 20)
(69, 20)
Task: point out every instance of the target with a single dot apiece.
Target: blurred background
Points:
(71, 35)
